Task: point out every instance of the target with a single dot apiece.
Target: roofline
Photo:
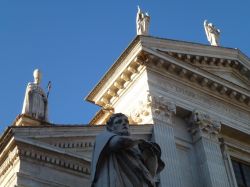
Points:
(137, 39)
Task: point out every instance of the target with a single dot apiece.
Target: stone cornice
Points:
(101, 116)
(238, 145)
(237, 149)
(212, 62)
(114, 67)
(51, 148)
(5, 138)
(118, 85)
(61, 160)
(43, 153)
(57, 131)
(197, 76)
(195, 49)
(8, 161)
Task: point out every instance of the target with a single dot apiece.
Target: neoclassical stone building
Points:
(192, 99)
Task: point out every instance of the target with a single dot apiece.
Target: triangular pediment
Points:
(223, 71)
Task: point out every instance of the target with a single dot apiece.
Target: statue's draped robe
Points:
(212, 35)
(139, 25)
(117, 169)
(35, 102)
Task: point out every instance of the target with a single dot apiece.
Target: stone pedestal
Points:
(26, 120)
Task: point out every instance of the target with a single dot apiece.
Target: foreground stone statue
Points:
(142, 22)
(213, 34)
(35, 101)
(120, 161)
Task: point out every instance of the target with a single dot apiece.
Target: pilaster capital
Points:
(163, 109)
(155, 106)
(203, 123)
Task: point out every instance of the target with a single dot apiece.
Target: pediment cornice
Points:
(206, 62)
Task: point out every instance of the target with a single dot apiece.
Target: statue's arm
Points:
(205, 23)
(26, 102)
(206, 30)
(122, 142)
(138, 8)
(138, 14)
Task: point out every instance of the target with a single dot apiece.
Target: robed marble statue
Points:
(142, 22)
(35, 101)
(119, 160)
(213, 34)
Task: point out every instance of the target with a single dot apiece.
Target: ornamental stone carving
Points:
(163, 109)
(143, 109)
(201, 121)
(157, 106)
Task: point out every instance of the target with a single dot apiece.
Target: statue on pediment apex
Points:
(213, 34)
(142, 22)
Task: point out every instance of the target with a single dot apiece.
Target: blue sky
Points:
(75, 42)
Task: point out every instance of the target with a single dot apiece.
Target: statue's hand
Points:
(205, 22)
(122, 142)
(150, 156)
(138, 8)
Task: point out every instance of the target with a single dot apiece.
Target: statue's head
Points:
(37, 76)
(211, 25)
(118, 124)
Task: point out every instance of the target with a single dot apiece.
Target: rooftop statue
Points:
(119, 160)
(35, 101)
(142, 22)
(213, 34)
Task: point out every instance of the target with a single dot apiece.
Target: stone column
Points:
(211, 166)
(163, 134)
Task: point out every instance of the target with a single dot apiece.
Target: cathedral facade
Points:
(192, 99)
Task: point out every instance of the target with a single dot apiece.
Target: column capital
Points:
(153, 106)
(203, 124)
(163, 109)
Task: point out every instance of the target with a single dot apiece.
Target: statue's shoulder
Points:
(31, 85)
(104, 136)
(34, 87)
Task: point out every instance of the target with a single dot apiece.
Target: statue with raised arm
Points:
(35, 101)
(119, 160)
(142, 22)
(213, 34)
